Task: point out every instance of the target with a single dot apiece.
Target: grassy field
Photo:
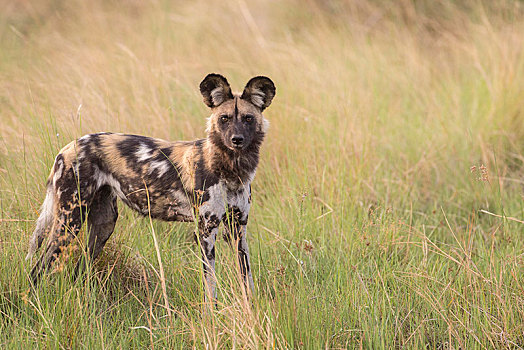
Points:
(387, 208)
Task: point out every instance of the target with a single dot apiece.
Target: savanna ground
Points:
(386, 206)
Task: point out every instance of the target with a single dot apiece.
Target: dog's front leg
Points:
(243, 259)
(208, 229)
(236, 234)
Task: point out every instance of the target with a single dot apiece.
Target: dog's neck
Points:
(230, 165)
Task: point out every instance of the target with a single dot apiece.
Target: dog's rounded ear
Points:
(259, 91)
(215, 89)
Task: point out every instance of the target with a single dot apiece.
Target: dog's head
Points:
(236, 120)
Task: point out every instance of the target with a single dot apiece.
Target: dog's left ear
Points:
(259, 91)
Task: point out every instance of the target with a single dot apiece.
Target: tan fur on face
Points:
(244, 108)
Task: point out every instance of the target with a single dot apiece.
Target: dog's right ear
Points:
(215, 89)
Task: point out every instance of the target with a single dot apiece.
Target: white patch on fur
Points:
(265, 125)
(103, 178)
(240, 200)
(250, 179)
(44, 221)
(209, 124)
(217, 95)
(81, 156)
(58, 173)
(258, 97)
(219, 197)
(161, 166)
(217, 200)
(77, 170)
(143, 153)
(84, 138)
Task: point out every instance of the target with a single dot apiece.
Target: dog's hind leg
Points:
(65, 228)
(101, 220)
(43, 223)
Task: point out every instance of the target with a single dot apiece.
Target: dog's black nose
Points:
(237, 140)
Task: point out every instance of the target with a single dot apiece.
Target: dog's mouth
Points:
(237, 147)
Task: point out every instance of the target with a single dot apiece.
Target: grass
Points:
(398, 127)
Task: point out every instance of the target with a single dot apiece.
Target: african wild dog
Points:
(206, 180)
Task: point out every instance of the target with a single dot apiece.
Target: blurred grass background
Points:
(394, 125)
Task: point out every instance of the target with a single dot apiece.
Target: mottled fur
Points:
(206, 180)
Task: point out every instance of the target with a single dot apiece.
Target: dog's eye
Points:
(224, 118)
(249, 118)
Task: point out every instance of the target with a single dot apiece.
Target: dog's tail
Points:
(43, 223)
